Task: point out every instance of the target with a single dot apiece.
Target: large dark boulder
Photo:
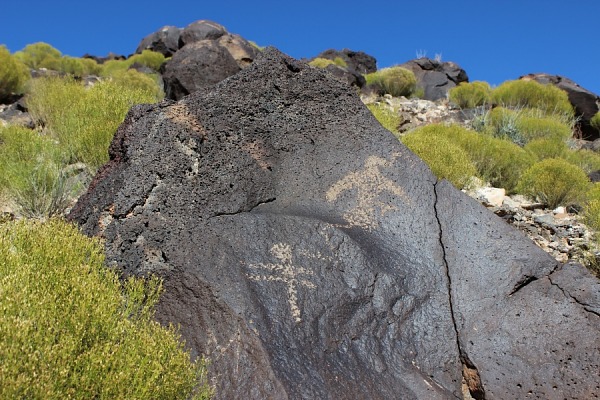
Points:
(356, 60)
(164, 41)
(436, 78)
(309, 254)
(585, 103)
(201, 30)
(195, 66)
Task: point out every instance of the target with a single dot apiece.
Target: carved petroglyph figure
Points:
(283, 271)
(369, 184)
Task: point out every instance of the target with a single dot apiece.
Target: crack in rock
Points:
(470, 372)
(575, 299)
(221, 214)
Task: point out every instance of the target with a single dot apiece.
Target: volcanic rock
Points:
(309, 254)
(195, 66)
(201, 30)
(352, 78)
(585, 103)
(164, 41)
(356, 60)
(436, 77)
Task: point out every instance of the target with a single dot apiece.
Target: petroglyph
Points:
(180, 115)
(369, 184)
(286, 272)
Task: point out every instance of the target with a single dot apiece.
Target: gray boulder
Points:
(164, 41)
(357, 61)
(201, 30)
(309, 254)
(195, 66)
(436, 77)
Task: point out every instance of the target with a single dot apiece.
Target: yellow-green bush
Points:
(587, 160)
(555, 182)
(523, 93)
(38, 55)
(146, 83)
(324, 62)
(83, 121)
(397, 81)
(592, 208)
(470, 95)
(75, 66)
(31, 172)
(547, 148)
(446, 159)
(148, 58)
(110, 67)
(389, 119)
(523, 125)
(595, 121)
(499, 162)
(71, 329)
(13, 74)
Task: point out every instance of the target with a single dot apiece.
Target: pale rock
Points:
(490, 196)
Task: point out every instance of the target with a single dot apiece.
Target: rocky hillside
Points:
(304, 249)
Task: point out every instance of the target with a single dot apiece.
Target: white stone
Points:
(490, 196)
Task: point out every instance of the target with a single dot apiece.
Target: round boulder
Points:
(355, 60)
(436, 77)
(240, 49)
(201, 30)
(164, 41)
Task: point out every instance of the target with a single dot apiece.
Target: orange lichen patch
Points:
(258, 153)
(180, 115)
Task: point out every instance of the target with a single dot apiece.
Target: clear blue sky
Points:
(492, 40)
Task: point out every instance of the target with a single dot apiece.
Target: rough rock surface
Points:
(309, 254)
(201, 30)
(585, 103)
(164, 41)
(357, 61)
(197, 65)
(436, 77)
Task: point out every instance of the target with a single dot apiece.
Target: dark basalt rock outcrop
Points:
(201, 30)
(585, 103)
(356, 60)
(436, 77)
(310, 255)
(164, 41)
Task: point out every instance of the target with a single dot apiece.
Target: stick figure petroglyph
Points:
(283, 271)
(369, 184)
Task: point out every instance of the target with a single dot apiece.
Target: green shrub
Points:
(13, 74)
(470, 95)
(523, 125)
(555, 182)
(546, 148)
(595, 121)
(396, 81)
(78, 67)
(592, 208)
(71, 329)
(148, 58)
(324, 62)
(110, 67)
(446, 160)
(587, 160)
(499, 162)
(522, 93)
(135, 80)
(31, 172)
(389, 119)
(84, 121)
(38, 55)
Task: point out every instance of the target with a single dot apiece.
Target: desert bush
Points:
(497, 161)
(31, 172)
(446, 159)
(595, 121)
(389, 119)
(110, 67)
(78, 67)
(145, 83)
(324, 62)
(531, 94)
(71, 329)
(396, 81)
(83, 121)
(38, 55)
(522, 125)
(587, 160)
(148, 58)
(470, 95)
(592, 209)
(13, 74)
(546, 148)
(555, 182)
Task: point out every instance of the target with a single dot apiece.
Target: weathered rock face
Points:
(309, 254)
(164, 41)
(356, 60)
(436, 77)
(585, 103)
(201, 30)
(195, 66)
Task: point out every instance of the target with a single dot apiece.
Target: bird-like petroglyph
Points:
(284, 271)
(369, 184)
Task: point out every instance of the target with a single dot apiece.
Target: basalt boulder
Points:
(436, 77)
(309, 254)
(164, 41)
(357, 61)
(201, 30)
